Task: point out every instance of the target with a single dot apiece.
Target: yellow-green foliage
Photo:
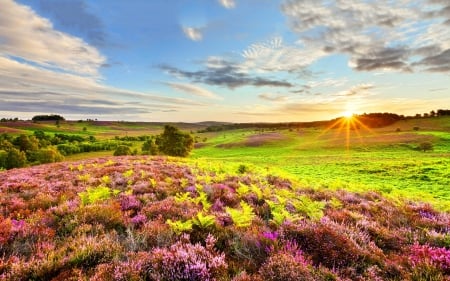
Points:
(128, 174)
(243, 189)
(203, 221)
(84, 178)
(335, 203)
(96, 194)
(179, 227)
(106, 180)
(312, 209)
(279, 213)
(242, 217)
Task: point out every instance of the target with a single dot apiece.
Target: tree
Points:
(173, 142)
(48, 155)
(122, 150)
(425, 146)
(15, 159)
(25, 143)
(149, 147)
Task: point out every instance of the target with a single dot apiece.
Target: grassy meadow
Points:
(340, 202)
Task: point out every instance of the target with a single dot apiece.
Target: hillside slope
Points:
(139, 218)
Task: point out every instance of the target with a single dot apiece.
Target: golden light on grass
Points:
(348, 124)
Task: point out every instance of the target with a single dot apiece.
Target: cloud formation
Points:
(218, 72)
(194, 34)
(229, 4)
(193, 90)
(45, 70)
(275, 56)
(26, 35)
(272, 97)
(376, 35)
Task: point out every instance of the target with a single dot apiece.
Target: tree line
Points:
(39, 148)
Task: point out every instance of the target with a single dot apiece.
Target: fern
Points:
(182, 197)
(84, 178)
(335, 203)
(128, 174)
(279, 213)
(308, 207)
(242, 190)
(257, 191)
(93, 195)
(202, 199)
(106, 180)
(203, 221)
(243, 217)
(179, 227)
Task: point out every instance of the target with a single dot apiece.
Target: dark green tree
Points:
(173, 142)
(15, 159)
(45, 155)
(25, 143)
(122, 150)
(149, 147)
(425, 146)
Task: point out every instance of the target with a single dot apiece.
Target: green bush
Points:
(3, 158)
(122, 150)
(173, 142)
(15, 159)
(149, 147)
(425, 146)
(49, 155)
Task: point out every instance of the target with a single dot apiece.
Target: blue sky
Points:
(223, 60)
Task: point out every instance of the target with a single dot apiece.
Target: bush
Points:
(46, 156)
(149, 147)
(3, 159)
(15, 159)
(173, 142)
(425, 146)
(285, 266)
(122, 150)
(185, 261)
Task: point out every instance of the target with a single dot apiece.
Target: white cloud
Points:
(194, 34)
(193, 90)
(272, 97)
(376, 35)
(42, 69)
(229, 4)
(26, 35)
(275, 56)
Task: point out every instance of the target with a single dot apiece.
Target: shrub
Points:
(286, 266)
(425, 146)
(122, 150)
(43, 156)
(185, 261)
(173, 142)
(15, 159)
(149, 147)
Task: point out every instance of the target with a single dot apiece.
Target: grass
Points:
(381, 159)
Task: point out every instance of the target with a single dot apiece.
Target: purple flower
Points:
(271, 235)
(138, 220)
(130, 203)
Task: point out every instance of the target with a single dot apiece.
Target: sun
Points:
(347, 114)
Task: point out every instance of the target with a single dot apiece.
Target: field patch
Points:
(150, 218)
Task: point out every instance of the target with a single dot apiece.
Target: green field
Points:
(383, 159)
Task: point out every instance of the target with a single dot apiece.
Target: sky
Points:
(223, 60)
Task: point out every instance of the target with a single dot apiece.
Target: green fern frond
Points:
(204, 221)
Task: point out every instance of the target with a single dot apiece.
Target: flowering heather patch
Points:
(153, 218)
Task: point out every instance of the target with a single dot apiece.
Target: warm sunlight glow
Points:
(347, 114)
